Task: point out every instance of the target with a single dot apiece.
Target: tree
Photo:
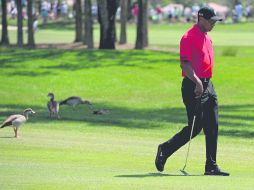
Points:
(30, 23)
(78, 19)
(145, 26)
(39, 5)
(88, 40)
(129, 6)
(123, 38)
(5, 37)
(20, 23)
(142, 31)
(106, 16)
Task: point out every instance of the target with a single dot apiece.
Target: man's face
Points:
(210, 24)
(207, 24)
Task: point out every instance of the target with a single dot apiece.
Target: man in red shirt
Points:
(196, 57)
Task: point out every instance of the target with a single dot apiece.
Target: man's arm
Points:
(189, 72)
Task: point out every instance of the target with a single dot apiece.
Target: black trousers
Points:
(206, 119)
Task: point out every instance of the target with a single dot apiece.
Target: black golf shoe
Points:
(215, 170)
(160, 159)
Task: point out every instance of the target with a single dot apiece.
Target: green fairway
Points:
(117, 151)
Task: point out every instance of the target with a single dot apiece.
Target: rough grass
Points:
(116, 151)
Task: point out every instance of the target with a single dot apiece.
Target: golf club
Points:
(193, 123)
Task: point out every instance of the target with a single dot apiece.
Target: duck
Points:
(17, 120)
(74, 101)
(53, 106)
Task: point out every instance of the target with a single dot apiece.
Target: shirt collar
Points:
(197, 29)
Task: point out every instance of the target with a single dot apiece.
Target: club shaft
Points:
(187, 154)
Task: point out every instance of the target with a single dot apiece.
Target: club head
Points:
(184, 172)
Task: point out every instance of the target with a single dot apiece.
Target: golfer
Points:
(198, 94)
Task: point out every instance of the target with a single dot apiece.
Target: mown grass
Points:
(116, 151)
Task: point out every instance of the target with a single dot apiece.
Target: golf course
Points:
(141, 89)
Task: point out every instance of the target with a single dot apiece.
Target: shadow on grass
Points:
(140, 118)
(7, 137)
(30, 73)
(61, 60)
(154, 175)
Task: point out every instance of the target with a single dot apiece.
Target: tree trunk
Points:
(115, 29)
(142, 32)
(85, 20)
(39, 6)
(5, 37)
(20, 23)
(103, 21)
(58, 8)
(88, 24)
(30, 24)
(106, 14)
(145, 18)
(123, 38)
(139, 40)
(129, 5)
(78, 18)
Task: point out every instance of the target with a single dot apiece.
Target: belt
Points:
(202, 79)
(205, 79)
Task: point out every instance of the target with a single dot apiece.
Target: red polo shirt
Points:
(196, 47)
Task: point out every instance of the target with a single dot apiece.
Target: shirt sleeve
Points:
(185, 49)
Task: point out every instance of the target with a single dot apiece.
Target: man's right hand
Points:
(189, 72)
(199, 89)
